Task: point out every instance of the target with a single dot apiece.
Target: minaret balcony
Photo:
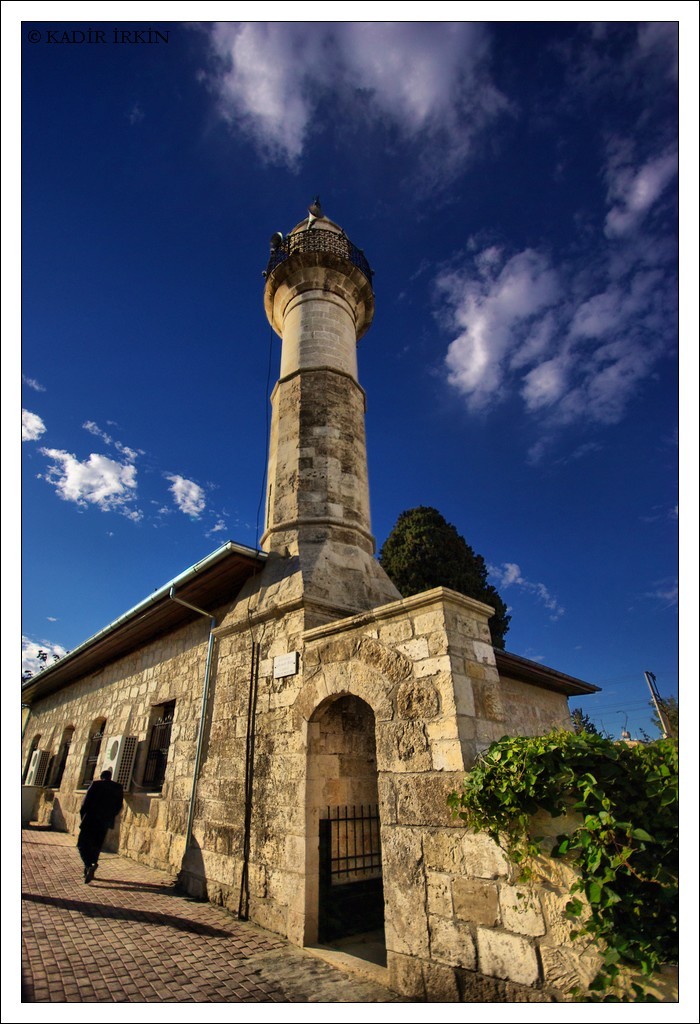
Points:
(318, 240)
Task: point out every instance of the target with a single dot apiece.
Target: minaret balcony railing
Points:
(319, 240)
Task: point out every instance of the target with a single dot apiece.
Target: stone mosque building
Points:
(288, 727)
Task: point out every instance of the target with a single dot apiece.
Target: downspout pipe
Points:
(202, 714)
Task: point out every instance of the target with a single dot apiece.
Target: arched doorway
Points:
(344, 868)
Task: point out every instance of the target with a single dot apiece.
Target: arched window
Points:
(92, 752)
(35, 744)
(62, 756)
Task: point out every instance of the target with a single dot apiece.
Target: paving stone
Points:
(130, 936)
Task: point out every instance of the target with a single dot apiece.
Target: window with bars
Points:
(158, 746)
(35, 744)
(62, 757)
(93, 752)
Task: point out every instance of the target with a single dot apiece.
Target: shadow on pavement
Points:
(123, 913)
(122, 885)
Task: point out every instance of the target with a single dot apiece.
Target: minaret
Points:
(319, 299)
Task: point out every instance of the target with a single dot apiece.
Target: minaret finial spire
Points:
(315, 211)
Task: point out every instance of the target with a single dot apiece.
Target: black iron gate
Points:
(351, 897)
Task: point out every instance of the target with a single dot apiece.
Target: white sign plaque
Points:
(285, 665)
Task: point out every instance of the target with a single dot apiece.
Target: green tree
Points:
(581, 722)
(424, 551)
(669, 705)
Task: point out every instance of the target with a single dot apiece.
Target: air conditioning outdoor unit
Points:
(38, 767)
(120, 754)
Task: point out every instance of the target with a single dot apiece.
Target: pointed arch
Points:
(92, 752)
(33, 746)
(59, 765)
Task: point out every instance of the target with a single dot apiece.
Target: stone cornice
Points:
(509, 665)
(319, 369)
(296, 524)
(279, 611)
(418, 602)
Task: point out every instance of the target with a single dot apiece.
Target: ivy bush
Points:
(623, 842)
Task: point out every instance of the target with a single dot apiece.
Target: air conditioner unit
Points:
(120, 754)
(38, 768)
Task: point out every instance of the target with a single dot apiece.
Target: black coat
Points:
(103, 802)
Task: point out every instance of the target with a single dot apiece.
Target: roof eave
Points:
(66, 670)
(535, 674)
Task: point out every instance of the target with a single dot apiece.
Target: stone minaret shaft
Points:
(319, 299)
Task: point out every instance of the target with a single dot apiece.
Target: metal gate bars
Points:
(351, 896)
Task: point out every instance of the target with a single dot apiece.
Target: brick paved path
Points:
(129, 937)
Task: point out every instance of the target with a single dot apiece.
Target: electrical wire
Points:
(267, 439)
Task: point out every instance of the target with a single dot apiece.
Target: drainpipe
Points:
(205, 698)
(244, 897)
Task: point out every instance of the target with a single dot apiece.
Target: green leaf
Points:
(639, 833)
(630, 906)
(594, 892)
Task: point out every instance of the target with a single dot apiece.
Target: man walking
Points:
(103, 802)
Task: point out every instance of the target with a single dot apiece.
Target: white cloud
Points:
(597, 316)
(495, 315)
(659, 39)
(272, 79)
(633, 191)
(580, 452)
(665, 591)
(510, 575)
(265, 87)
(31, 662)
(446, 68)
(538, 450)
(218, 527)
(93, 429)
(576, 341)
(647, 53)
(130, 454)
(545, 384)
(539, 341)
(577, 333)
(52, 618)
(136, 114)
(32, 426)
(661, 513)
(100, 481)
(33, 384)
(189, 496)
(530, 654)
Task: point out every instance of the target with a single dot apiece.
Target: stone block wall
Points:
(388, 706)
(457, 925)
(124, 695)
(273, 743)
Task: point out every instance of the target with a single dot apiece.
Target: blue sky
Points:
(515, 189)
